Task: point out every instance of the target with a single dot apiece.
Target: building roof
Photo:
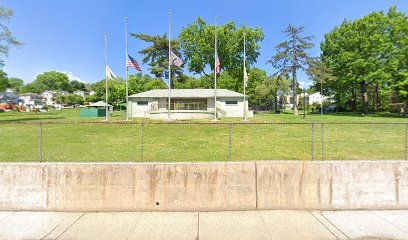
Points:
(29, 94)
(99, 104)
(7, 95)
(186, 93)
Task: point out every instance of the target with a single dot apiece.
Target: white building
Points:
(310, 98)
(49, 97)
(317, 98)
(80, 93)
(187, 104)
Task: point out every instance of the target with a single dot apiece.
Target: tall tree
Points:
(16, 84)
(359, 53)
(75, 85)
(269, 91)
(55, 81)
(4, 81)
(157, 55)
(197, 41)
(6, 37)
(320, 74)
(398, 32)
(291, 56)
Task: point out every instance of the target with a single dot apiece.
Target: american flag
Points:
(131, 62)
(217, 65)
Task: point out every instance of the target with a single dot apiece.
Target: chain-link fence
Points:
(192, 142)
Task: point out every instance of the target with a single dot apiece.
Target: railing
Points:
(188, 141)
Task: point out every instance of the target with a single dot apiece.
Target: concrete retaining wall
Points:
(333, 185)
(204, 186)
(127, 187)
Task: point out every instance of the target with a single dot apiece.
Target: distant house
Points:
(79, 93)
(8, 100)
(91, 93)
(310, 98)
(31, 100)
(317, 98)
(48, 97)
(187, 104)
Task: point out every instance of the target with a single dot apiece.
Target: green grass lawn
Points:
(72, 115)
(193, 141)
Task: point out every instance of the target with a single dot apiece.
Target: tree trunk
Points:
(295, 110)
(377, 98)
(364, 96)
(276, 103)
(354, 100)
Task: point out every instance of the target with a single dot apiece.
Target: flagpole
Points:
(106, 72)
(127, 69)
(169, 64)
(245, 81)
(215, 72)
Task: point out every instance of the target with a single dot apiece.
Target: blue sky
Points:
(68, 36)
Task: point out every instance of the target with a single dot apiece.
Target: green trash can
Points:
(92, 112)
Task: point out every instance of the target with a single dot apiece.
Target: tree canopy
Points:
(4, 81)
(157, 55)
(369, 58)
(6, 37)
(53, 80)
(198, 45)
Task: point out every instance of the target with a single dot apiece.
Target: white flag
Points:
(109, 73)
(175, 61)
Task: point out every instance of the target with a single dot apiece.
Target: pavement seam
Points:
(3, 218)
(321, 214)
(324, 225)
(388, 222)
(50, 232)
(70, 225)
(133, 229)
(198, 226)
(267, 230)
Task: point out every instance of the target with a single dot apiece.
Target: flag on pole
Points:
(175, 61)
(245, 77)
(109, 73)
(131, 62)
(217, 65)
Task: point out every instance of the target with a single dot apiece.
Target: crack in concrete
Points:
(134, 227)
(267, 230)
(70, 225)
(338, 229)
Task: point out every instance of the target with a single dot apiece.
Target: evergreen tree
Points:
(291, 56)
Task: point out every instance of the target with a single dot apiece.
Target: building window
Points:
(142, 103)
(231, 103)
(189, 104)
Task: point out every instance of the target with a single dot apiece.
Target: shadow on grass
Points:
(38, 119)
(357, 114)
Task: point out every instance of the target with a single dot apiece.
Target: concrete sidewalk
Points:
(206, 225)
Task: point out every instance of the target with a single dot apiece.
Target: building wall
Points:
(137, 110)
(232, 110)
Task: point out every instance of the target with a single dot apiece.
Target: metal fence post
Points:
(322, 141)
(40, 142)
(313, 141)
(142, 141)
(230, 143)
